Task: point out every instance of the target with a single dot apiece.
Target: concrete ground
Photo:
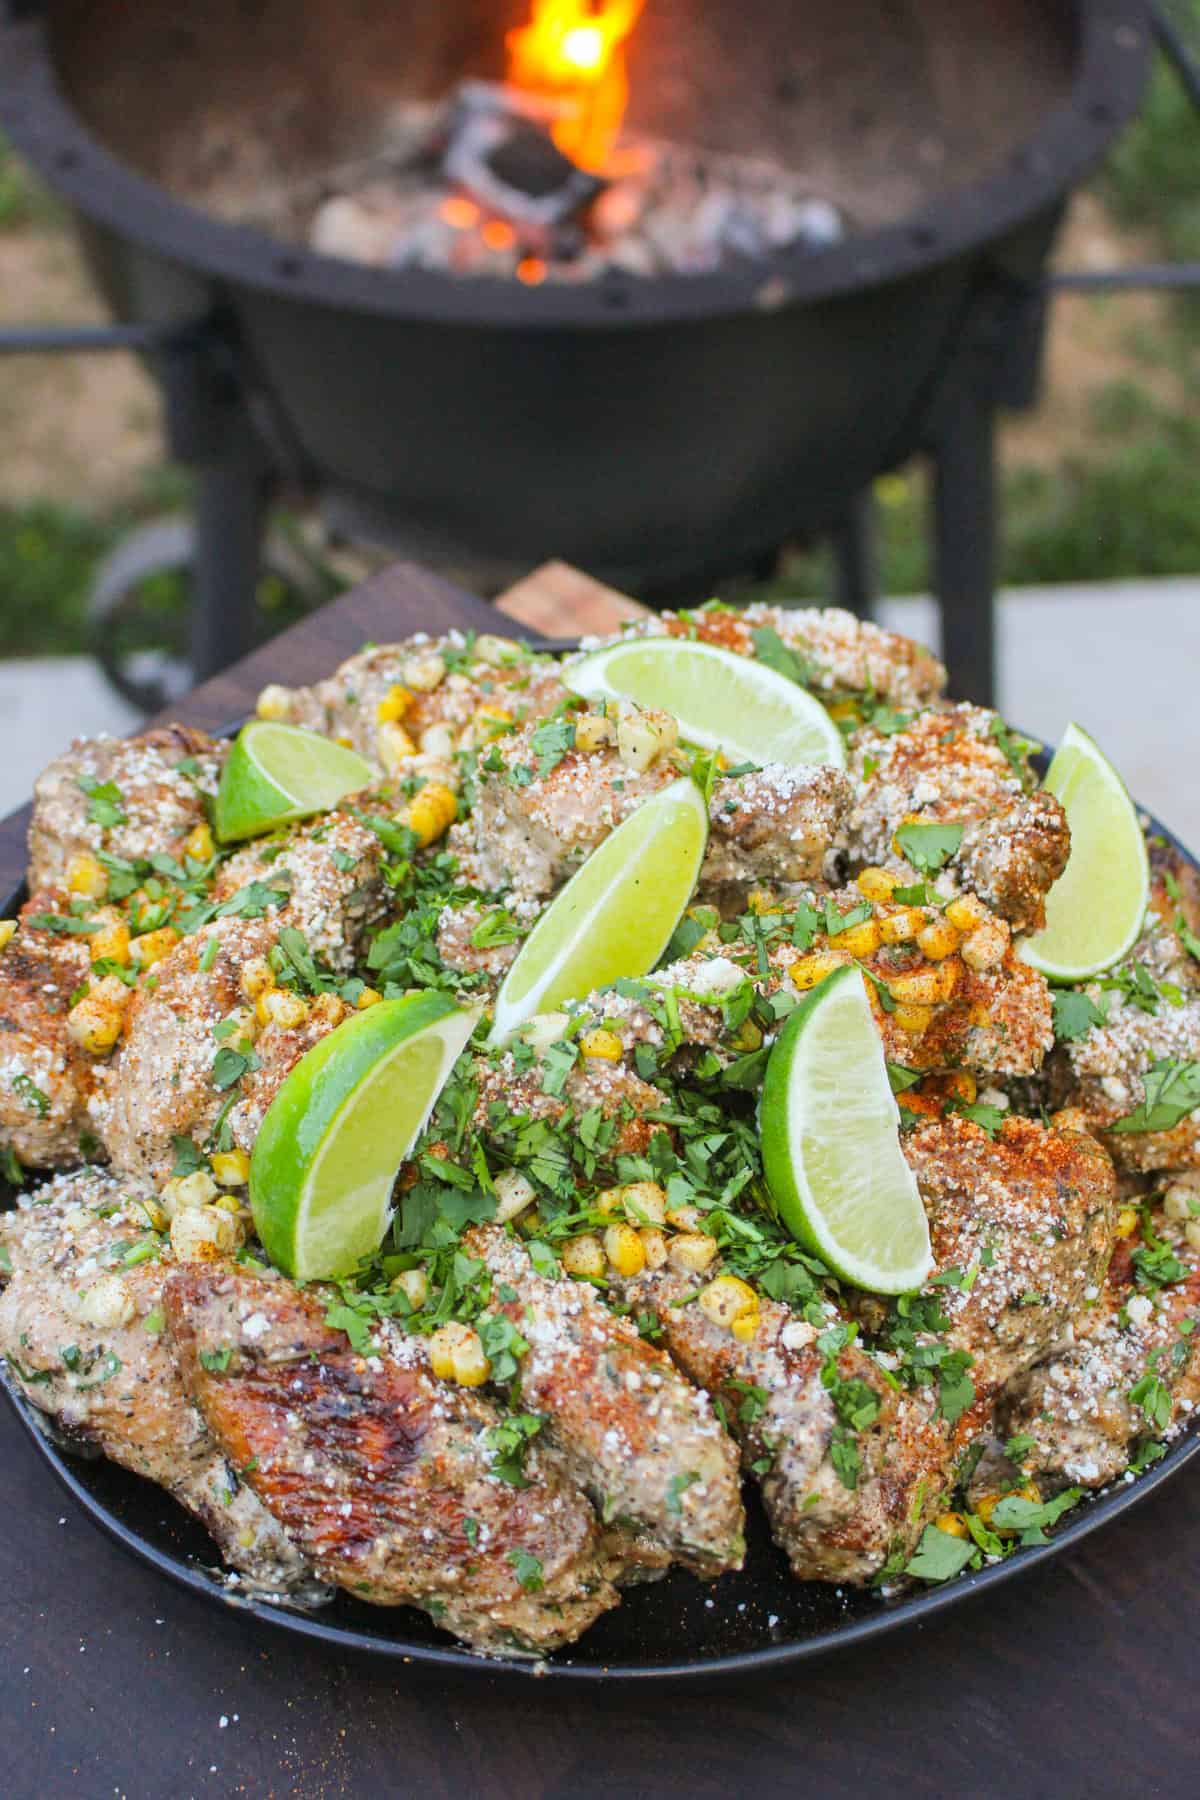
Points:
(1118, 657)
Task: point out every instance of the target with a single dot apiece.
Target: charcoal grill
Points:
(664, 433)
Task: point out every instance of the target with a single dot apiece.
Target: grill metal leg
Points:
(965, 540)
(231, 503)
(852, 540)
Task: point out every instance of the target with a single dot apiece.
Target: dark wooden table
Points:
(1082, 1681)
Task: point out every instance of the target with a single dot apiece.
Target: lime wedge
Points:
(831, 1143)
(616, 915)
(1096, 908)
(721, 701)
(340, 1126)
(276, 773)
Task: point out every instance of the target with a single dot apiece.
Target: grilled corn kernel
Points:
(747, 1037)
(592, 732)
(328, 1010)
(497, 652)
(930, 986)
(912, 1018)
(86, 876)
(645, 735)
(430, 814)
(414, 1285)
(901, 926)
(938, 940)
(623, 1248)
(655, 1246)
(369, 997)
(685, 1218)
(154, 1214)
(745, 1329)
(876, 884)
(257, 977)
(807, 971)
(394, 706)
(107, 1304)
(691, 1252)
(514, 1193)
(394, 746)
(962, 1085)
(1177, 1203)
(231, 1167)
(544, 1029)
(205, 1234)
(953, 1524)
(605, 1046)
(198, 844)
(966, 912)
(8, 930)
(986, 1505)
(985, 947)
(437, 740)
(1191, 1232)
(184, 1191)
(1071, 1118)
(726, 1299)
(762, 902)
(152, 946)
(97, 1021)
(1127, 1221)
(456, 1354)
(491, 721)
(645, 1202)
(278, 1006)
(110, 943)
(424, 673)
(583, 1256)
(274, 702)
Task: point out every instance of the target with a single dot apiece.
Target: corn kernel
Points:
(184, 1191)
(414, 1285)
(807, 971)
(274, 702)
(623, 1248)
(931, 986)
(861, 940)
(231, 1167)
(592, 732)
(456, 1354)
(491, 721)
(745, 1329)
(97, 1020)
(876, 884)
(747, 1037)
(912, 1018)
(369, 997)
(430, 814)
(110, 943)
(256, 977)
(655, 1246)
(424, 673)
(965, 912)
(231, 1204)
(726, 1299)
(106, 1304)
(514, 1194)
(8, 930)
(394, 705)
(1177, 1204)
(328, 1011)
(605, 1046)
(394, 747)
(1127, 1221)
(152, 946)
(685, 1218)
(939, 939)
(279, 1006)
(497, 652)
(1191, 1232)
(901, 926)
(986, 1505)
(762, 902)
(86, 876)
(643, 735)
(963, 1085)
(985, 947)
(953, 1524)
(198, 844)
(154, 1215)
(645, 1202)
(691, 1252)
(205, 1234)
(437, 740)
(583, 1257)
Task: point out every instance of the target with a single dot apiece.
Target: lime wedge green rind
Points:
(616, 915)
(276, 773)
(831, 1143)
(1096, 909)
(722, 701)
(334, 1136)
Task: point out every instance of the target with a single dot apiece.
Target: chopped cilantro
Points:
(104, 802)
(497, 926)
(231, 1063)
(1172, 1091)
(32, 1096)
(528, 1570)
(929, 845)
(508, 1443)
(1014, 1513)
(770, 649)
(677, 1487)
(1074, 1014)
(217, 1361)
(940, 1556)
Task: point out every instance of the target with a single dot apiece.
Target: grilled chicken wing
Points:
(326, 876)
(45, 1078)
(381, 1474)
(1131, 1372)
(947, 766)
(81, 1327)
(132, 797)
(642, 1442)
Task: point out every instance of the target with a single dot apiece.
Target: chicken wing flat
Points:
(45, 1076)
(640, 1440)
(82, 1329)
(384, 1477)
(956, 766)
(129, 797)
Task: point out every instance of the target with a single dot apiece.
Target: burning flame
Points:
(573, 50)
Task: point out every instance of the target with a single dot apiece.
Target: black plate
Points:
(760, 1618)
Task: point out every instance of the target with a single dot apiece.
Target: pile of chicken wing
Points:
(586, 1328)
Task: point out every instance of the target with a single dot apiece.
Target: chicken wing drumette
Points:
(82, 1329)
(45, 1075)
